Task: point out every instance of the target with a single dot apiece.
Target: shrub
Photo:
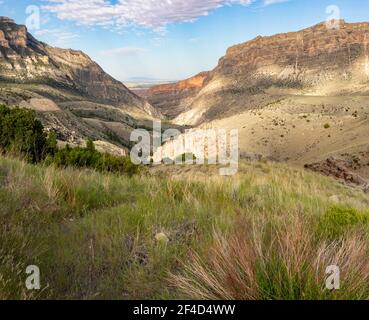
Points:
(110, 163)
(338, 219)
(327, 126)
(22, 134)
(90, 158)
(52, 144)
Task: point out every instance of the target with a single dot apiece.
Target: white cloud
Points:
(125, 51)
(155, 14)
(61, 37)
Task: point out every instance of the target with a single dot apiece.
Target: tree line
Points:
(23, 135)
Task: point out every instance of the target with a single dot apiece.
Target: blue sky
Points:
(168, 39)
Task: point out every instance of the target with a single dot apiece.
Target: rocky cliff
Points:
(23, 59)
(318, 60)
(70, 93)
(305, 58)
(173, 98)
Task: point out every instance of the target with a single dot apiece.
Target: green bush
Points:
(22, 134)
(52, 144)
(90, 158)
(339, 219)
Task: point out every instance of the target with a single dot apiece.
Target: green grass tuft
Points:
(339, 219)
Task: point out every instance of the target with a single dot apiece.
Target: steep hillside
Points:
(24, 59)
(34, 74)
(174, 98)
(300, 97)
(317, 61)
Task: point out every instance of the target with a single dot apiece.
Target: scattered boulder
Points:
(339, 169)
(162, 238)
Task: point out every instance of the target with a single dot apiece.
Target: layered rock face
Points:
(24, 59)
(173, 99)
(305, 58)
(319, 59)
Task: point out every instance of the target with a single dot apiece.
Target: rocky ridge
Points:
(23, 59)
(317, 59)
(70, 93)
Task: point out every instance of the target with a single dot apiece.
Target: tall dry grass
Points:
(282, 260)
(93, 235)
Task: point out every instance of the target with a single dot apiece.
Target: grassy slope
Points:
(304, 129)
(93, 235)
(78, 118)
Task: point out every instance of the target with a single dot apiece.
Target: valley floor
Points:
(267, 233)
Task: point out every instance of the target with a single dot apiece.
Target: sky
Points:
(168, 39)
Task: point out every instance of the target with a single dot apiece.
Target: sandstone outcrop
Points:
(173, 98)
(24, 59)
(319, 59)
(341, 170)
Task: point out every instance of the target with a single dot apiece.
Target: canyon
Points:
(299, 97)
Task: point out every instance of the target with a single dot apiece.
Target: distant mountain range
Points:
(148, 80)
